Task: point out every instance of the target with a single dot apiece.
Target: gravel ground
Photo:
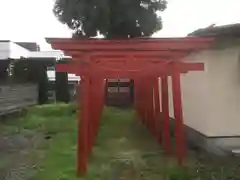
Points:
(15, 154)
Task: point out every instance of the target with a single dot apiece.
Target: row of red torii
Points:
(146, 61)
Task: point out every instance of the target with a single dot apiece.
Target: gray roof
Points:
(225, 30)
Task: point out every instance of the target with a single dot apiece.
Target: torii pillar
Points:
(145, 61)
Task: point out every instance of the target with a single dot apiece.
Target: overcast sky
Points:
(32, 20)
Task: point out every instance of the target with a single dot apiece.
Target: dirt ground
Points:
(17, 161)
(14, 154)
(124, 151)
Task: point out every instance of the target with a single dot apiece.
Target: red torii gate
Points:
(144, 61)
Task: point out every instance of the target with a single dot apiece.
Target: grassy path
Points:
(124, 150)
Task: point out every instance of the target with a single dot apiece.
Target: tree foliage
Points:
(111, 18)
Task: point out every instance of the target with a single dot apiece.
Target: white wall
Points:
(4, 50)
(196, 93)
(211, 99)
(71, 77)
(225, 93)
(47, 54)
(17, 51)
(11, 50)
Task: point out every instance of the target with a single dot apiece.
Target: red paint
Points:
(178, 121)
(166, 118)
(95, 108)
(140, 99)
(181, 40)
(83, 130)
(143, 60)
(98, 91)
(192, 43)
(145, 102)
(151, 107)
(132, 54)
(124, 70)
(157, 117)
(90, 115)
(136, 97)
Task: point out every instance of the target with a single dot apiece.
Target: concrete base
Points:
(221, 146)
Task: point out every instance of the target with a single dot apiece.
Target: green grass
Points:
(123, 149)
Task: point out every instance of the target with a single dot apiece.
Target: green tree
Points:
(111, 18)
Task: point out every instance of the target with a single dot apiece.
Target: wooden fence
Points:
(118, 92)
(16, 97)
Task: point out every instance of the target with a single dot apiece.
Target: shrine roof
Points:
(136, 40)
(138, 44)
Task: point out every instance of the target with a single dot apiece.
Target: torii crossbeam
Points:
(146, 61)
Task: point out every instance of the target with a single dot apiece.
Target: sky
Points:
(33, 20)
